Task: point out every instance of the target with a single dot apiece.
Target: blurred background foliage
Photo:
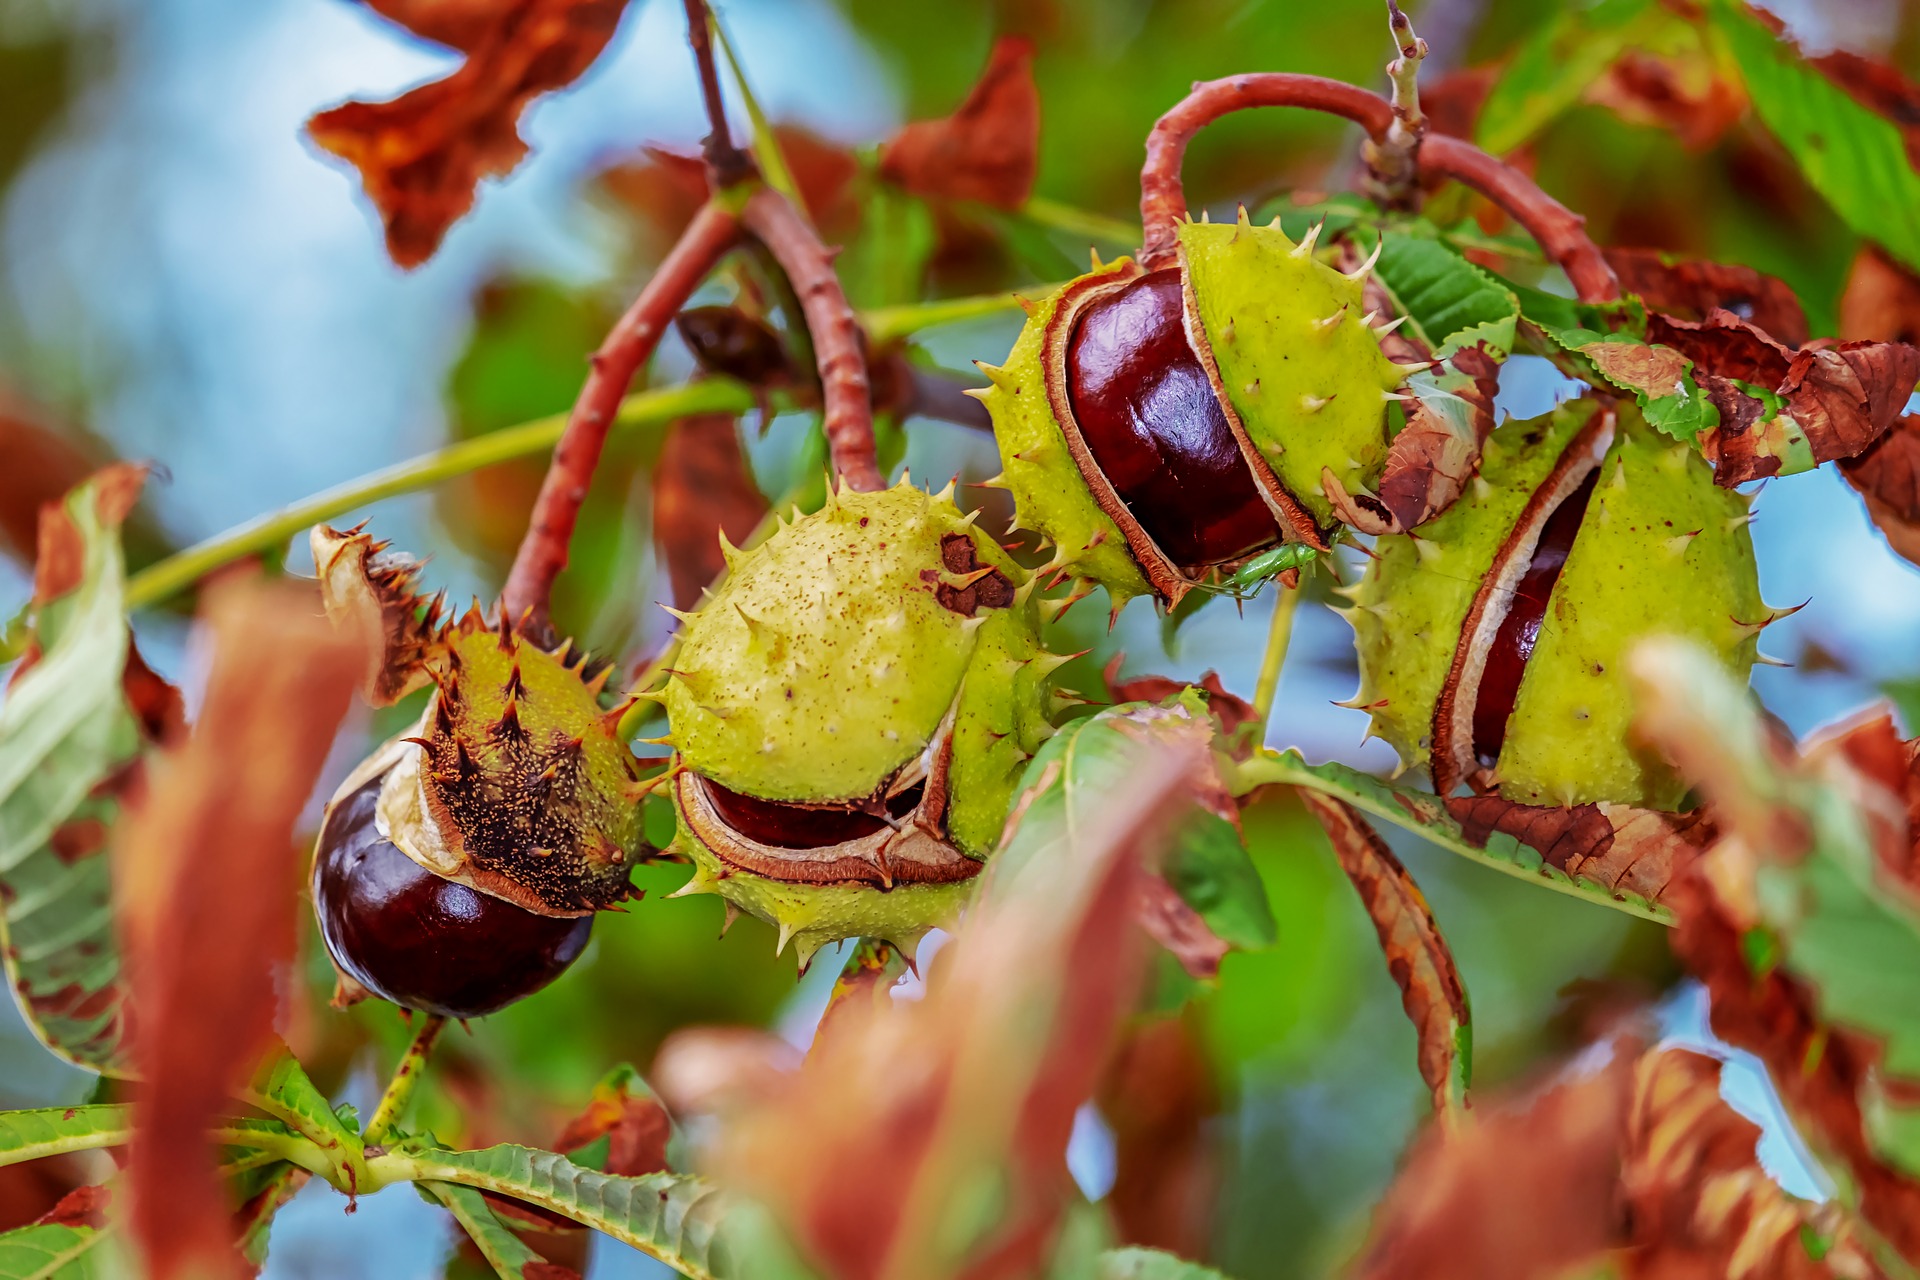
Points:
(183, 278)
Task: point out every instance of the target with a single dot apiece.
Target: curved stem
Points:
(543, 551)
(1163, 202)
(838, 348)
(726, 163)
(393, 1103)
(264, 533)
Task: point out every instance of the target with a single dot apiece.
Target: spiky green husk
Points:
(1049, 494)
(1296, 358)
(825, 662)
(813, 915)
(1663, 551)
(521, 786)
(1000, 723)
(1409, 607)
(1636, 569)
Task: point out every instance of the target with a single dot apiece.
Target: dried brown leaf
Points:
(726, 340)
(1630, 850)
(663, 189)
(1160, 1100)
(422, 154)
(42, 465)
(364, 584)
(636, 1126)
(1698, 1200)
(1692, 289)
(1417, 955)
(1881, 302)
(1887, 475)
(906, 1106)
(988, 149)
(702, 491)
(1524, 1189)
(1432, 458)
(1181, 930)
(207, 886)
(80, 1207)
(1842, 397)
(1684, 93)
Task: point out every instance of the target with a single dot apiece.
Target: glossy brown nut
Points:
(425, 943)
(1148, 414)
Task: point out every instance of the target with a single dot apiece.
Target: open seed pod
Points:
(1159, 427)
(851, 711)
(1493, 643)
(479, 839)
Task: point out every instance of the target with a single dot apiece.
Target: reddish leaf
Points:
(1683, 92)
(208, 889)
(1521, 1190)
(1692, 289)
(1417, 955)
(664, 188)
(1881, 302)
(458, 24)
(865, 979)
(1184, 932)
(908, 1107)
(42, 464)
(988, 149)
(422, 154)
(1842, 398)
(1887, 474)
(1629, 850)
(1639, 1162)
(1160, 1100)
(1435, 455)
(636, 1126)
(80, 1207)
(1229, 709)
(1699, 1203)
(702, 491)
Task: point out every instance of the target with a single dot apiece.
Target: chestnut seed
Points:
(1148, 414)
(422, 942)
(1519, 631)
(795, 826)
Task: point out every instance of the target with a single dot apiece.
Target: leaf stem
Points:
(176, 573)
(885, 324)
(393, 1103)
(543, 550)
(726, 163)
(1393, 172)
(1059, 216)
(1279, 636)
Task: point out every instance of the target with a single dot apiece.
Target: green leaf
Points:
(764, 145)
(65, 728)
(1152, 1264)
(886, 263)
(1209, 868)
(1853, 157)
(1422, 813)
(504, 1251)
(1555, 66)
(1449, 302)
(49, 1251)
(684, 1221)
(52, 1131)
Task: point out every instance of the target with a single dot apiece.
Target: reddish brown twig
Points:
(845, 390)
(726, 163)
(1163, 202)
(543, 550)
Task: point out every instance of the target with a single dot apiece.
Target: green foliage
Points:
(504, 1251)
(1450, 303)
(1555, 65)
(1208, 866)
(1152, 1264)
(1854, 157)
(50, 1251)
(65, 728)
(683, 1221)
(29, 1135)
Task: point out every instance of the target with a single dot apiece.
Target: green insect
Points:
(1271, 564)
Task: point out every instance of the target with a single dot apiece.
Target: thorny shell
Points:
(851, 711)
(1660, 549)
(1294, 364)
(514, 782)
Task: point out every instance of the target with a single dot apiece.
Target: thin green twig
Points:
(1279, 636)
(393, 1103)
(884, 324)
(1056, 216)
